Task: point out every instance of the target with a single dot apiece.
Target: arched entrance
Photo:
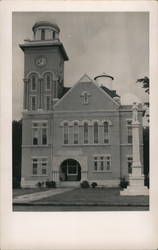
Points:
(70, 170)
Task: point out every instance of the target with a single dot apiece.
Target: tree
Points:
(16, 152)
(145, 83)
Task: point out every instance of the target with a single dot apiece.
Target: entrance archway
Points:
(70, 170)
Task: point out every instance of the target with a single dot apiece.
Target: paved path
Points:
(39, 195)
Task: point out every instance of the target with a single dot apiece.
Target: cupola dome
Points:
(44, 30)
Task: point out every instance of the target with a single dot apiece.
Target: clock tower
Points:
(44, 58)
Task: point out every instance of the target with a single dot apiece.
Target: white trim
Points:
(31, 73)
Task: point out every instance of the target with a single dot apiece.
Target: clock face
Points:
(41, 61)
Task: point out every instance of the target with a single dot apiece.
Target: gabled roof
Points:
(112, 93)
(84, 80)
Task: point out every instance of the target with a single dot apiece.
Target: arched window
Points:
(76, 132)
(85, 132)
(47, 81)
(55, 89)
(106, 132)
(96, 132)
(33, 82)
(65, 128)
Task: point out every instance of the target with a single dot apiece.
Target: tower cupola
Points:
(44, 30)
(104, 80)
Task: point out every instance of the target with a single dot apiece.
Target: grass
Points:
(22, 191)
(101, 195)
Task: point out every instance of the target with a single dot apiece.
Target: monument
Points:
(136, 179)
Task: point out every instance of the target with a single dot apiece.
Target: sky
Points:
(116, 43)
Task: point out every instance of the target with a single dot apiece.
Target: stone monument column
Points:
(136, 179)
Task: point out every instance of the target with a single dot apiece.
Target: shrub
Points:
(123, 183)
(84, 184)
(51, 184)
(39, 184)
(94, 184)
(146, 181)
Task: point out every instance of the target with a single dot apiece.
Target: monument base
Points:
(136, 186)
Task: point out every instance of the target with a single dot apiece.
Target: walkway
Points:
(39, 195)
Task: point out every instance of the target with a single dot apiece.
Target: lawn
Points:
(95, 195)
(22, 191)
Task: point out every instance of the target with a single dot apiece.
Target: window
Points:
(102, 163)
(129, 164)
(96, 132)
(35, 166)
(76, 133)
(85, 132)
(42, 34)
(44, 166)
(85, 95)
(106, 132)
(72, 170)
(48, 81)
(39, 166)
(33, 103)
(39, 133)
(33, 83)
(95, 163)
(65, 133)
(55, 89)
(85, 98)
(48, 102)
(129, 131)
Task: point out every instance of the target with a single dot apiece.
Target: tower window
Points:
(48, 102)
(39, 133)
(33, 103)
(48, 81)
(42, 34)
(33, 83)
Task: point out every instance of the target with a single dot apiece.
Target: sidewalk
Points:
(27, 198)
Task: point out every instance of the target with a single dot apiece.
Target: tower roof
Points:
(45, 24)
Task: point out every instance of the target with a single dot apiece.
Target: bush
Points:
(39, 184)
(123, 183)
(146, 181)
(50, 184)
(94, 184)
(84, 184)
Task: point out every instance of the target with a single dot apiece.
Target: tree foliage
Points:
(16, 152)
(145, 82)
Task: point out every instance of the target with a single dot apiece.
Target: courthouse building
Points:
(71, 134)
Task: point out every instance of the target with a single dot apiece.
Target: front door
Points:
(70, 170)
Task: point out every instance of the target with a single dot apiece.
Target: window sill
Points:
(108, 171)
(94, 145)
(39, 175)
